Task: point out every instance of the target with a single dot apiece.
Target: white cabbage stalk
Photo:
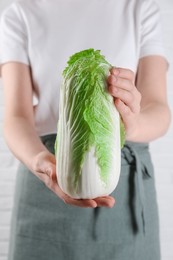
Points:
(90, 134)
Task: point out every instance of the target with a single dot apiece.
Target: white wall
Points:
(162, 154)
(7, 177)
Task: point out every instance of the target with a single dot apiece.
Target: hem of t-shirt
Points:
(154, 50)
(13, 58)
(48, 133)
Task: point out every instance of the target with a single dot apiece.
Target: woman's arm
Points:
(142, 102)
(21, 137)
(19, 129)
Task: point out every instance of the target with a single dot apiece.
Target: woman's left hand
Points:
(121, 85)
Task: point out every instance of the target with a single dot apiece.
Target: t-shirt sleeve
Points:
(152, 40)
(13, 37)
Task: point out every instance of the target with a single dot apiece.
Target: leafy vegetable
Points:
(89, 139)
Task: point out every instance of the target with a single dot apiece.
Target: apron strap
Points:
(133, 155)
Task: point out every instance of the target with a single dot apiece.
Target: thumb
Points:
(50, 170)
(46, 163)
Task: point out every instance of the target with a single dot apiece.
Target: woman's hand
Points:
(126, 98)
(44, 167)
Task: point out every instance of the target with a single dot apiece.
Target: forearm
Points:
(22, 139)
(153, 122)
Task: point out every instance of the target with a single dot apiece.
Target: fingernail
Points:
(116, 71)
(112, 80)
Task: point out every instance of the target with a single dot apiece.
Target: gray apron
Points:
(45, 228)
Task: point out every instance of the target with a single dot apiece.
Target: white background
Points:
(161, 150)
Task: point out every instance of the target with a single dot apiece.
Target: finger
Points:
(47, 175)
(47, 165)
(52, 173)
(107, 201)
(123, 73)
(84, 203)
(123, 109)
(49, 170)
(111, 80)
(126, 96)
(132, 100)
(121, 83)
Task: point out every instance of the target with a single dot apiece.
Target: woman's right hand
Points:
(44, 167)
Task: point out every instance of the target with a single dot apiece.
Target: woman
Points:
(37, 37)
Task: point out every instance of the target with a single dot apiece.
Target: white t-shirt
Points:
(44, 33)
